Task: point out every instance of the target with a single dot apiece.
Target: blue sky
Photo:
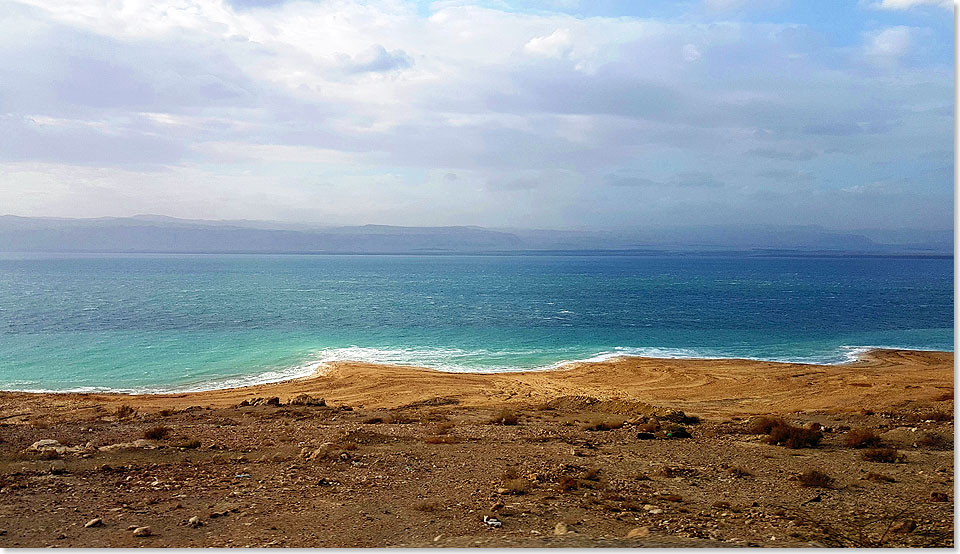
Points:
(552, 113)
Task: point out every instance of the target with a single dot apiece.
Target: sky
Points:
(575, 114)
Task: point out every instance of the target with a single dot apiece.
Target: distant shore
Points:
(879, 378)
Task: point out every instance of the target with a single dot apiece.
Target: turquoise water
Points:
(152, 323)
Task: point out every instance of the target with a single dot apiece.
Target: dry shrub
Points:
(816, 478)
(602, 424)
(396, 418)
(935, 441)
(649, 427)
(883, 455)
(794, 437)
(505, 417)
(937, 416)
(427, 506)
(567, 483)
(516, 486)
(441, 439)
(157, 433)
(671, 472)
(125, 412)
(444, 427)
(862, 438)
(306, 400)
(591, 474)
(880, 478)
(764, 424)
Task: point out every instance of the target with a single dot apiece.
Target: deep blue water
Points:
(157, 322)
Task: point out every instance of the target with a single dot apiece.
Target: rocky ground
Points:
(570, 471)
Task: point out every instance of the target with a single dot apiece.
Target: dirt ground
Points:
(595, 454)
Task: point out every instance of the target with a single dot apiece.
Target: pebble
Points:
(638, 533)
(561, 529)
(95, 522)
(58, 467)
(142, 532)
(194, 522)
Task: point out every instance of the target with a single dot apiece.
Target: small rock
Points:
(502, 490)
(194, 522)
(638, 533)
(906, 526)
(646, 436)
(44, 443)
(58, 467)
(496, 507)
(561, 529)
(131, 527)
(142, 532)
(95, 522)
(273, 401)
(656, 511)
(939, 496)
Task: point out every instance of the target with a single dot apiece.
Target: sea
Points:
(150, 323)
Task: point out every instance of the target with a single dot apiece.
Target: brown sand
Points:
(404, 456)
(878, 380)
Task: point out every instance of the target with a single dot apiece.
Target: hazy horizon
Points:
(559, 114)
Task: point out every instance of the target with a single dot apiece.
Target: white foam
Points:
(451, 360)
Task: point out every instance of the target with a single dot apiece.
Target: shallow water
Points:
(150, 323)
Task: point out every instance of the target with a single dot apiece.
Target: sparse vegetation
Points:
(816, 478)
(935, 441)
(505, 417)
(427, 506)
(441, 439)
(306, 400)
(883, 455)
(157, 433)
(862, 438)
(124, 412)
(602, 424)
(783, 434)
(516, 486)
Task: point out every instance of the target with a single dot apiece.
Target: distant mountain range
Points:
(159, 234)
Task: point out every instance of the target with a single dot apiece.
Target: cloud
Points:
(890, 44)
(375, 59)
(773, 154)
(553, 45)
(909, 4)
(683, 117)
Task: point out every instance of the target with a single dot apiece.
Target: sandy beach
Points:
(590, 454)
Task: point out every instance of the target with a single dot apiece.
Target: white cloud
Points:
(890, 44)
(373, 104)
(908, 4)
(554, 45)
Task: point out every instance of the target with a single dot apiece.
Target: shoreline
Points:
(313, 369)
(708, 385)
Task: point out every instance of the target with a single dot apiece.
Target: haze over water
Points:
(155, 323)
